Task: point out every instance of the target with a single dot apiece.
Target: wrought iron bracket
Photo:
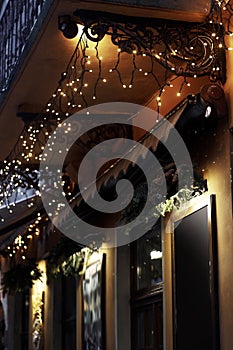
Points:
(184, 48)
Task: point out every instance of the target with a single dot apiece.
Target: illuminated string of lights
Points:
(86, 69)
(19, 247)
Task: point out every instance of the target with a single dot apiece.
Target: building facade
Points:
(160, 74)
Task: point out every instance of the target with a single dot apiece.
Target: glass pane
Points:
(25, 319)
(145, 328)
(69, 313)
(149, 259)
(149, 326)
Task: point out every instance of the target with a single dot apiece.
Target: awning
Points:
(194, 106)
(191, 108)
(110, 177)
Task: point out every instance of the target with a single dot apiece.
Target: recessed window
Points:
(69, 313)
(149, 260)
(147, 291)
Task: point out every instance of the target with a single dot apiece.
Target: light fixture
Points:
(68, 26)
(208, 111)
(156, 254)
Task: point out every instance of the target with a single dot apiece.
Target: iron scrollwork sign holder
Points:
(186, 49)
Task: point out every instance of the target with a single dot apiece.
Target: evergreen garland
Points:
(175, 201)
(20, 278)
(66, 259)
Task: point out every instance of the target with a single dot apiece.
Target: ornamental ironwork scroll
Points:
(187, 49)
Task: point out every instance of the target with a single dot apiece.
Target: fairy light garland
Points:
(20, 245)
(70, 96)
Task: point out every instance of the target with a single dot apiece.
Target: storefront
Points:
(167, 276)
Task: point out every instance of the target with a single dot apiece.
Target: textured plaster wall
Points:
(217, 172)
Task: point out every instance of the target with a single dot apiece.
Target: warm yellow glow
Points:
(40, 285)
(37, 301)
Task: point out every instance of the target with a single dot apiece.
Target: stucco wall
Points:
(217, 171)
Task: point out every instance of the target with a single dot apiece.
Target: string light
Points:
(21, 243)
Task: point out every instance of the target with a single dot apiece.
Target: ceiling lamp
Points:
(68, 27)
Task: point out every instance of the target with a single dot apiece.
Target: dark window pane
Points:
(25, 320)
(148, 325)
(69, 313)
(149, 259)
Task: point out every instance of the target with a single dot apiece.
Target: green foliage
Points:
(69, 267)
(20, 278)
(176, 201)
(166, 206)
(66, 258)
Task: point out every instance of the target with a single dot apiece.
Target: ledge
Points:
(182, 10)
